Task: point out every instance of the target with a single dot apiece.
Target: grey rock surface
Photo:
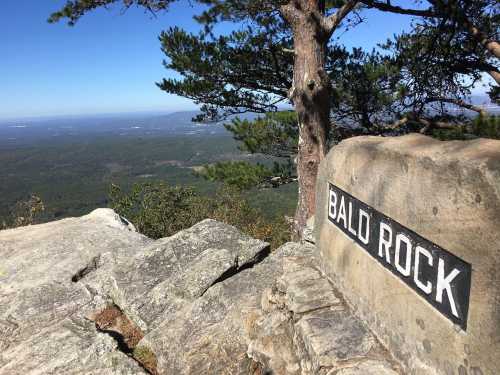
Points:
(90, 295)
(171, 271)
(308, 232)
(369, 367)
(42, 324)
(56, 276)
(306, 328)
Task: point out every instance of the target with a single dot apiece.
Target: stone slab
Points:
(447, 193)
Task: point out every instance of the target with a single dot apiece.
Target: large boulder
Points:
(409, 229)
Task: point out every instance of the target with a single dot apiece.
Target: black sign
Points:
(437, 275)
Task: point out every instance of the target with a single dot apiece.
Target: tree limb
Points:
(430, 124)
(277, 181)
(458, 102)
(465, 67)
(490, 45)
(398, 123)
(330, 23)
(495, 74)
(387, 7)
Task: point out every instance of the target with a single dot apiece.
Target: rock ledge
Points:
(91, 295)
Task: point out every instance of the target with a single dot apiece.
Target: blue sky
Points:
(108, 63)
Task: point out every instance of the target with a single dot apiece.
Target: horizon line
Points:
(95, 114)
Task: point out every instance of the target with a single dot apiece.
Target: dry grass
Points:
(147, 358)
(112, 319)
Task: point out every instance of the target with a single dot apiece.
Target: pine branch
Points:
(491, 45)
(388, 7)
(429, 124)
(458, 102)
(332, 22)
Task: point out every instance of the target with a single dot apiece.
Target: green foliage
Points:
(73, 10)
(159, 210)
(441, 56)
(242, 175)
(246, 70)
(479, 127)
(156, 209)
(367, 89)
(456, 134)
(494, 94)
(275, 134)
(239, 174)
(486, 127)
(73, 176)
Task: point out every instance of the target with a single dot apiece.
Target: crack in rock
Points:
(236, 269)
(93, 265)
(113, 322)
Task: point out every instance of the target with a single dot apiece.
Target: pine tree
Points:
(282, 50)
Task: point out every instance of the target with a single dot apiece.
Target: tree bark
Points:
(310, 95)
(492, 46)
(495, 74)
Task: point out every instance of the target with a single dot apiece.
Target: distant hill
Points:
(18, 132)
(182, 123)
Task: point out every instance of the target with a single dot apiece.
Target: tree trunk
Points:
(310, 95)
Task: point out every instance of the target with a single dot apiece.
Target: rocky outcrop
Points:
(44, 325)
(91, 295)
(304, 326)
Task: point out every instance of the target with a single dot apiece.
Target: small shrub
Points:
(229, 206)
(479, 127)
(486, 127)
(26, 212)
(156, 209)
(160, 210)
(457, 134)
